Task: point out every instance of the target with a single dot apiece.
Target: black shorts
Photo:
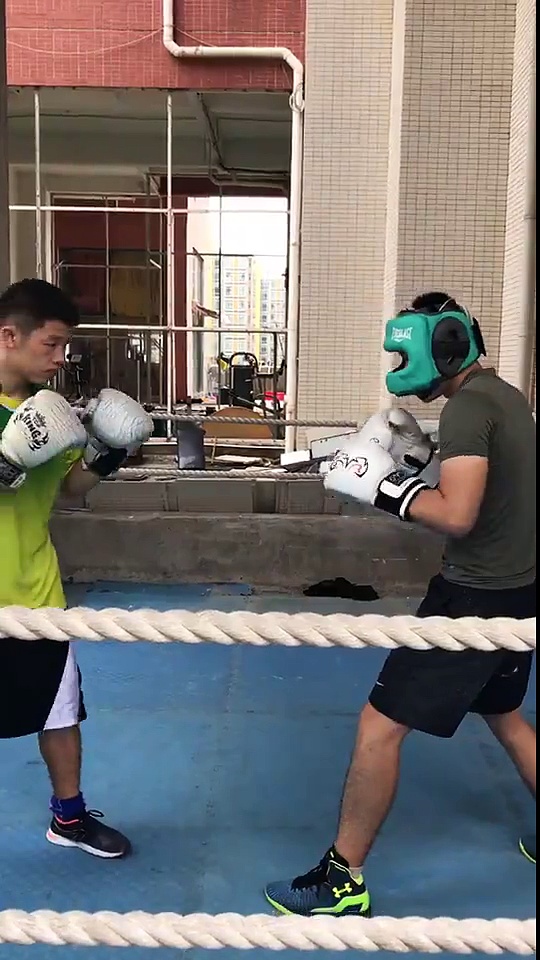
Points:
(433, 691)
(40, 687)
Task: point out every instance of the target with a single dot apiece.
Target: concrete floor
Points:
(225, 766)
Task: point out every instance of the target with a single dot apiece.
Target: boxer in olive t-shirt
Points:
(485, 504)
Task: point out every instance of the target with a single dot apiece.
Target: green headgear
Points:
(434, 346)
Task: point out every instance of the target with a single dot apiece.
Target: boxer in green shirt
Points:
(45, 448)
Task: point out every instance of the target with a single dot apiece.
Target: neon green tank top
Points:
(29, 572)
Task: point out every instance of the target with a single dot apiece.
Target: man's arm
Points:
(454, 506)
(465, 430)
(78, 481)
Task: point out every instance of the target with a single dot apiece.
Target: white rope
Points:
(262, 629)
(267, 932)
(156, 471)
(271, 421)
(212, 418)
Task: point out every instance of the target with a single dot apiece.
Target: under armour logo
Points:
(339, 893)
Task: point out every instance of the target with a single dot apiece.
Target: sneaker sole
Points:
(289, 913)
(64, 842)
(526, 854)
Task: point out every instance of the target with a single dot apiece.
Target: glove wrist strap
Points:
(107, 462)
(11, 476)
(397, 492)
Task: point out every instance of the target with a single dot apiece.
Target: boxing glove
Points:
(41, 428)
(117, 425)
(369, 474)
(397, 432)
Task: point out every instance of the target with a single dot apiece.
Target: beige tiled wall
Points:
(408, 118)
(519, 207)
(348, 80)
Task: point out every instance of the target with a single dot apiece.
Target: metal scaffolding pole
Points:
(4, 166)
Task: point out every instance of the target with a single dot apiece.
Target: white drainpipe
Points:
(295, 200)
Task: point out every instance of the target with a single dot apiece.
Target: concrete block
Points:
(332, 505)
(278, 552)
(210, 496)
(264, 496)
(300, 497)
(127, 496)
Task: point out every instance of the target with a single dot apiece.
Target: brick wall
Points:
(111, 43)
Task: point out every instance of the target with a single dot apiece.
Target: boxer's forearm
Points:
(79, 481)
(432, 509)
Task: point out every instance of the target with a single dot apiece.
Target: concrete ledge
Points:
(283, 552)
(209, 495)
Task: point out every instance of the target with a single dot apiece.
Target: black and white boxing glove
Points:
(396, 431)
(369, 474)
(117, 425)
(41, 428)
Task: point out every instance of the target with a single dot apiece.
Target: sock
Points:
(355, 872)
(68, 810)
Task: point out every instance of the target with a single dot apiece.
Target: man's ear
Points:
(8, 335)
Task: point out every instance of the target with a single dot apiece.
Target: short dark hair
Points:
(434, 300)
(30, 303)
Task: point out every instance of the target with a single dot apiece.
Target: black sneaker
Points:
(88, 834)
(328, 889)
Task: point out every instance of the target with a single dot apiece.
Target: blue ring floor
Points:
(225, 768)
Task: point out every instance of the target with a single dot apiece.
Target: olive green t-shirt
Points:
(489, 418)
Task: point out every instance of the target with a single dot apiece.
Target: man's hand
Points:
(117, 425)
(368, 474)
(41, 428)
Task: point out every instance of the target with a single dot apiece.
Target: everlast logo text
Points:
(35, 427)
(401, 333)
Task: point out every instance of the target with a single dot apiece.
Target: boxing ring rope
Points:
(267, 629)
(155, 470)
(270, 421)
(270, 933)
(399, 935)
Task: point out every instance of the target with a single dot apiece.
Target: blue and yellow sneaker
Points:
(328, 889)
(527, 845)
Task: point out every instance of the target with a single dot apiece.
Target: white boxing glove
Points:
(412, 448)
(117, 425)
(397, 432)
(368, 474)
(41, 428)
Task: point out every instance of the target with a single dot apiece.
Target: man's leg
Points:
(370, 786)
(519, 740)
(499, 704)
(61, 751)
(336, 886)
(430, 692)
(72, 824)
